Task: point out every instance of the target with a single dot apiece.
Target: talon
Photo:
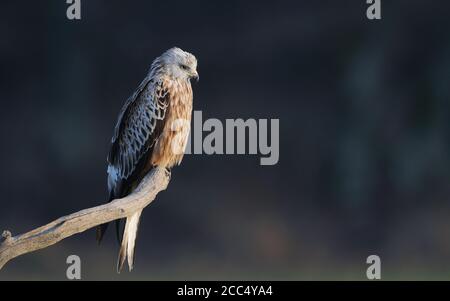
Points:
(168, 172)
(6, 236)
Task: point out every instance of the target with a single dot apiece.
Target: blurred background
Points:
(364, 136)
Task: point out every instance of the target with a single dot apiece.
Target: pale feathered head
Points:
(176, 63)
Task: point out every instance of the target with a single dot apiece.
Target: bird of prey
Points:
(147, 135)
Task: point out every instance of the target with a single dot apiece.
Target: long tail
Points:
(128, 241)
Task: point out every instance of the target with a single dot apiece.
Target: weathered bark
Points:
(42, 237)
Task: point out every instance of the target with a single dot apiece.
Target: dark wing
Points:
(139, 126)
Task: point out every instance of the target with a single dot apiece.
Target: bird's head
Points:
(180, 64)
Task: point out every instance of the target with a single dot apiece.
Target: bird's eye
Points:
(184, 67)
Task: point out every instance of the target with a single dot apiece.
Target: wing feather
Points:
(139, 125)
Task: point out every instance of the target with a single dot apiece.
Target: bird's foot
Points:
(167, 172)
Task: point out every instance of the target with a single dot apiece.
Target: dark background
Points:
(364, 136)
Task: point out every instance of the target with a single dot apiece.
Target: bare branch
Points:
(42, 237)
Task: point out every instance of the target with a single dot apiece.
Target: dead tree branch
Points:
(42, 237)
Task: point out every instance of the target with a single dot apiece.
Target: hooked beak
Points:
(195, 76)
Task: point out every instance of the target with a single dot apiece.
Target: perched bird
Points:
(152, 130)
